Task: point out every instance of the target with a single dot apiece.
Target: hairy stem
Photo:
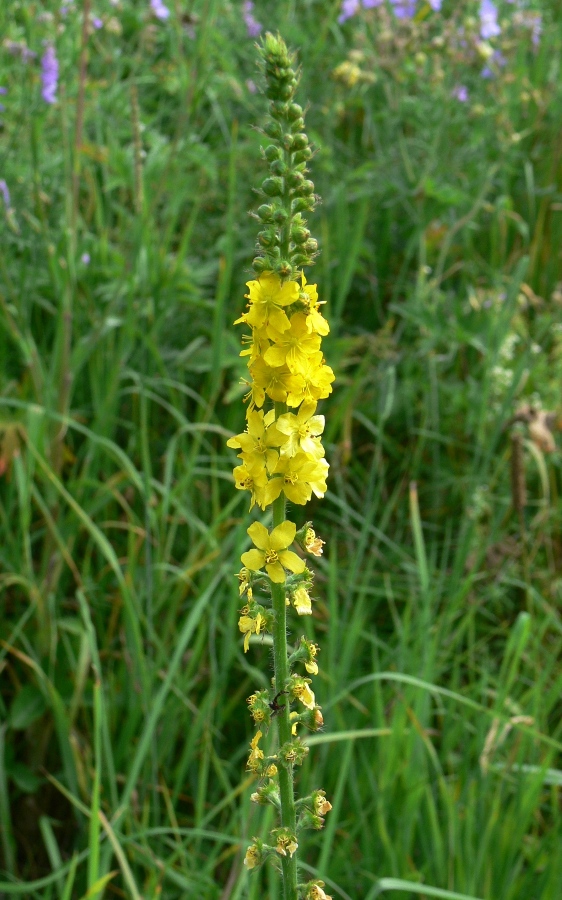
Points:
(286, 789)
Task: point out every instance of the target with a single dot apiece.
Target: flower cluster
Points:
(283, 453)
(282, 458)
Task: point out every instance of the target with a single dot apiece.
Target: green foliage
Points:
(123, 685)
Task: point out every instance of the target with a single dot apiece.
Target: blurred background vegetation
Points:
(125, 246)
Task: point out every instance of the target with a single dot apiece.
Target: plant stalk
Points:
(280, 655)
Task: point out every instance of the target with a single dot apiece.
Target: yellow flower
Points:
(272, 551)
(312, 543)
(255, 482)
(256, 442)
(302, 692)
(301, 431)
(253, 857)
(286, 843)
(257, 344)
(301, 602)
(315, 892)
(292, 347)
(315, 321)
(249, 625)
(267, 298)
(301, 476)
(317, 379)
(321, 805)
(276, 383)
(255, 753)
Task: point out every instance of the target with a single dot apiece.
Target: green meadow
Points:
(125, 246)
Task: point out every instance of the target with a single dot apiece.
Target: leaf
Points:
(26, 708)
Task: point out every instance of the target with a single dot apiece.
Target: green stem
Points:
(286, 789)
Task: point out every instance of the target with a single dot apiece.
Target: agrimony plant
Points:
(283, 459)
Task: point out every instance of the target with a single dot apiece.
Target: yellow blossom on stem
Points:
(268, 295)
(276, 383)
(249, 625)
(255, 753)
(312, 543)
(255, 482)
(300, 432)
(301, 690)
(301, 477)
(315, 321)
(317, 381)
(257, 441)
(293, 347)
(302, 602)
(253, 857)
(286, 843)
(272, 552)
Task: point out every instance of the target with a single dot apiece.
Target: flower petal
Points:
(282, 536)
(253, 560)
(291, 561)
(259, 535)
(276, 572)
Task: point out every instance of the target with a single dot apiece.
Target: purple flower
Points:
(160, 11)
(370, 4)
(85, 259)
(5, 193)
(460, 92)
(404, 9)
(97, 22)
(3, 90)
(348, 9)
(536, 30)
(435, 5)
(49, 75)
(253, 27)
(251, 85)
(489, 27)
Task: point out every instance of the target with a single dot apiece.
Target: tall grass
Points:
(123, 732)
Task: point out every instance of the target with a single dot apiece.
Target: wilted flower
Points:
(49, 75)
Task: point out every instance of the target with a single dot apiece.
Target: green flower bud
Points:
(280, 216)
(278, 167)
(299, 141)
(272, 152)
(265, 212)
(296, 180)
(308, 187)
(259, 265)
(284, 269)
(300, 235)
(311, 246)
(268, 238)
(297, 125)
(294, 112)
(300, 204)
(303, 155)
(273, 130)
(273, 187)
